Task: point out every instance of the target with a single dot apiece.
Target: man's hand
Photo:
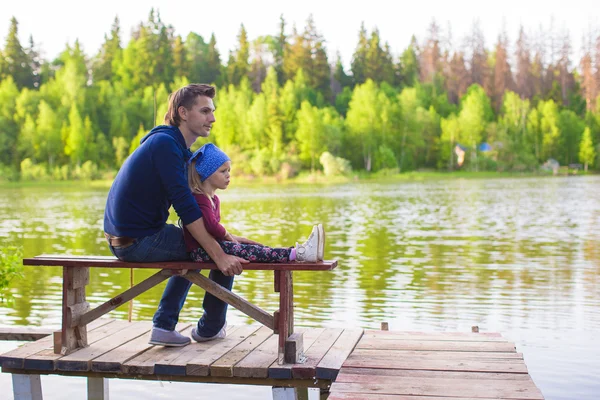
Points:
(230, 265)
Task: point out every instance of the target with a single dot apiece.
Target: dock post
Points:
(27, 387)
(290, 393)
(97, 388)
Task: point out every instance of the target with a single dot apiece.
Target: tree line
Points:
(283, 106)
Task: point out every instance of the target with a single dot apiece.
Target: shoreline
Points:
(319, 178)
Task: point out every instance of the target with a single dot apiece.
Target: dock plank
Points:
(200, 365)
(421, 345)
(394, 354)
(81, 360)
(331, 363)
(443, 336)
(256, 363)
(363, 396)
(113, 360)
(482, 365)
(284, 371)
(144, 363)
(39, 355)
(223, 367)
(25, 333)
(177, 366)
(524, 389)
(315, 354)
(417, 374)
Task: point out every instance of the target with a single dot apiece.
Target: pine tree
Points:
(409, 64)
(180, 66)
(457, 80)
(359, 59)
(196, 54)
(319, 72)
(503, 79)
(523, 74)
(279, 51)
(479, 60)
(238, 66)
(213, 62)
(16, 61)
(110, 50)
(589, 85)
(431, 54)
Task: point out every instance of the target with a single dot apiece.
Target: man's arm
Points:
(227, 264)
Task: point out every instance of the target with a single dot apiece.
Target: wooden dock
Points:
(351, 363)
(388, 365)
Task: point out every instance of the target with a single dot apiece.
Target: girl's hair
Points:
(195, 183)
(186, 97)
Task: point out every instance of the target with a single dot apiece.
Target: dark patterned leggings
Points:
(250, 252)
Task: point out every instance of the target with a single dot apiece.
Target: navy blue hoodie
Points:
(151, 179)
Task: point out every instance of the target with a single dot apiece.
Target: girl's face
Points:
(220, 179)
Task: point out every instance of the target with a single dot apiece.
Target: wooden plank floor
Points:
(388, 365)
(248, 353)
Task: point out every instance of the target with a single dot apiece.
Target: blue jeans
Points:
(168, 245)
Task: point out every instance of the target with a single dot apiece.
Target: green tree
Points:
(310, 134)
(364, 123)
(548, 125)
(8, 138)
(571, 128)
(75, 140)
(587, 153)
(48, 134)
(475, 113)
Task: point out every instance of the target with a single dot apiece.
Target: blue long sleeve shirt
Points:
(151, 179)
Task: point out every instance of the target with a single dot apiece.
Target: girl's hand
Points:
(230, 238)
(241, 239)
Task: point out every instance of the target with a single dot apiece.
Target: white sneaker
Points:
(307, 252)
(321, 246)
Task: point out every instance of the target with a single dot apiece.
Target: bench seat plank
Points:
(113, 262)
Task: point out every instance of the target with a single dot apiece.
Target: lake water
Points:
(519, 256)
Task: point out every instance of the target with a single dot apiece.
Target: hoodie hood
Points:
(172, 131)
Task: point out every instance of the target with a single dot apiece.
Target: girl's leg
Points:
(250, 252)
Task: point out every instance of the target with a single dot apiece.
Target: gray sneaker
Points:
(221, 335)
(162, 337)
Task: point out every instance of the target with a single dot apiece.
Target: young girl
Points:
(208, 170)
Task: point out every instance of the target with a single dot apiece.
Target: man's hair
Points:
(186, 97)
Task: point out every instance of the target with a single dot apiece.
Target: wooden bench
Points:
(76, 312)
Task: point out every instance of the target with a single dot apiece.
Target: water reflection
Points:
(519, 256)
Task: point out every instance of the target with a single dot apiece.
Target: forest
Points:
(286, 106)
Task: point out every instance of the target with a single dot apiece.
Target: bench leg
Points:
(287, 393)
(74, 305)
(97, 388)
(27, 387)
(291, 349)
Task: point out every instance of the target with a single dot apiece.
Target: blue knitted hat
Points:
(208, 159)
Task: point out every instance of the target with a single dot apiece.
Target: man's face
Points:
(200, 117)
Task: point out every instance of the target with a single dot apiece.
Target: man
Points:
(151, 180)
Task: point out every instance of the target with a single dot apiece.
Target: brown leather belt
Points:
(119, 241)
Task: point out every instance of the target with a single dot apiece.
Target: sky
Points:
(55, 23)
